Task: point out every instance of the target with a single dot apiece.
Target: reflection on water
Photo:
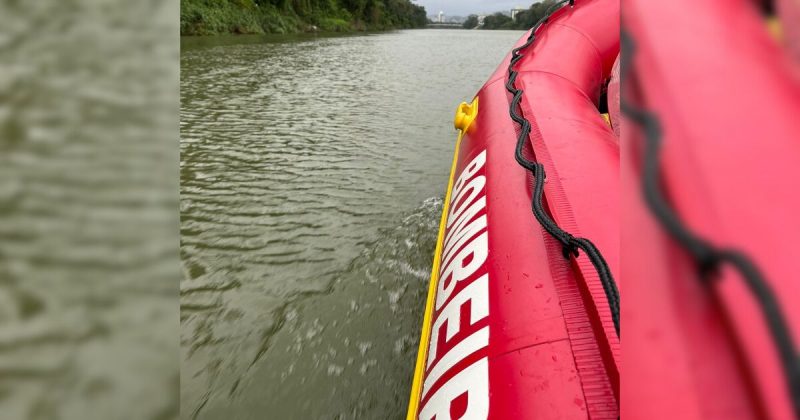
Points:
(307, 223)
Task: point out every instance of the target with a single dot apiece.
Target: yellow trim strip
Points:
(422, 353)
(606, 118)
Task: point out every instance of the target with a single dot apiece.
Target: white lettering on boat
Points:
(474, 381)
(453, 339)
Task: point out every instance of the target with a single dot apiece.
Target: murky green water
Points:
(311, 171)
(88, 250)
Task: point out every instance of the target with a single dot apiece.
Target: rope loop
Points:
(709, 266)
(571, 248)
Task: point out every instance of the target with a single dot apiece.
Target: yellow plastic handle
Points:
(465, 115)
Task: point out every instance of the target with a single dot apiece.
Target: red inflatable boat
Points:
(522, 315)
(711, 198)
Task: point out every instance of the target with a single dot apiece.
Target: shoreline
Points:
(262, 17)
(189, 42)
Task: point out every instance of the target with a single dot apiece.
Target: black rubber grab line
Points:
(570, 243)
(708, 258)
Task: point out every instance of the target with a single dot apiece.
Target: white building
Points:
(516, 10)
(441, 17)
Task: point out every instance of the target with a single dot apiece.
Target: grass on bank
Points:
(211, 17)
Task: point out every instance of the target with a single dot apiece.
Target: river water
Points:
(88, 224)
(312, 171)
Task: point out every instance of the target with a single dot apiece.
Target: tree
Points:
(497, 21)
(471, 22)
(528, 18)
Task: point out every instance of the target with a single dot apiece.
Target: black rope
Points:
(570, 243)
(708, 257)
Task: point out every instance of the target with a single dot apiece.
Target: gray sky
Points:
(466, 7)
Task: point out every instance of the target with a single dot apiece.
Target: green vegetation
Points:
(471, 22)
(499, 21)
(523, 20)
(209, 17)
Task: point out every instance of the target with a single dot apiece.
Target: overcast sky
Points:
(466, 7)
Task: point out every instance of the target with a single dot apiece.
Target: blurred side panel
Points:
(89, 267)
(613, 95)
(712, 103)
(789, 18)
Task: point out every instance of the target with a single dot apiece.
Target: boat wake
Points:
(364, 328)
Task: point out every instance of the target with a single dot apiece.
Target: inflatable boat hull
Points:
(514, 330)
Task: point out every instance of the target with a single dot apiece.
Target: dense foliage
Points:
(499, 21)
(204, 17)
(528, 18)
(523, 20)
(471, 22)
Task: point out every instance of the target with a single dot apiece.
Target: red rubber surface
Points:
(552, 351)
(728, 104)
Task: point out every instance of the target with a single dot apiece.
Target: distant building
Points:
(516, 10)
(455, 19)
(441, 17)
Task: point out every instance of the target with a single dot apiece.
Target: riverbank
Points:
(205, 17)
